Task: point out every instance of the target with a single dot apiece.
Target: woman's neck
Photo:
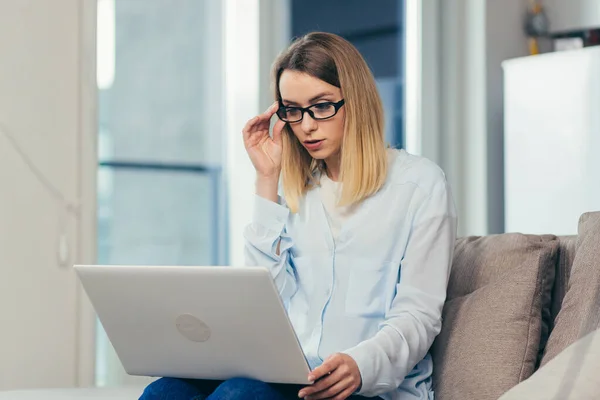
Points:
(333, 168)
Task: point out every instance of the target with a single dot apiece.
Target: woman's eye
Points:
(291, 111)
(323, 106)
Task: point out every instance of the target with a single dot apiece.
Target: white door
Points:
(44, 171)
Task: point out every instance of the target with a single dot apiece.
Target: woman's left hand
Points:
(337, 378)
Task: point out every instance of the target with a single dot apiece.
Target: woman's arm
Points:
(267, 242)
(414, 319)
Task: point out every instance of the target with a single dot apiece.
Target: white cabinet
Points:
(552, 140)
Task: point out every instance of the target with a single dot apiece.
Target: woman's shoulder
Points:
(406, 168)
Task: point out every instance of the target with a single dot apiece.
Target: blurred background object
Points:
(536, 25)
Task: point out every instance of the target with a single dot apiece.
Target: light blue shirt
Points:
(377, 292)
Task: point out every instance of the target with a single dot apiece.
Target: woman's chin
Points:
(320, 154)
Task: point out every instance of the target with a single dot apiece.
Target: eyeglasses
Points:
(318, 112)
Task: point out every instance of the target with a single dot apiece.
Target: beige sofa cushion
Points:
(566, 255)
(572, 375)
(492, 323)
(580, 310)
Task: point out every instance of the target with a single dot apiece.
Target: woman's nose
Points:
(308, 123)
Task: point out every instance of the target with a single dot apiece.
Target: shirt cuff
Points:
(269, 214)
(366, 366)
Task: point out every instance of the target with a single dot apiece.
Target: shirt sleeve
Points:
(262, 236)
(414, 319)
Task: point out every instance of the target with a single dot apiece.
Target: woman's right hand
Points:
(264, 151)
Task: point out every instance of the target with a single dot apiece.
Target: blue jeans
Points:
(232, 389)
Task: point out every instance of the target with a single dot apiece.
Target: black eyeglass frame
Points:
(336, 106)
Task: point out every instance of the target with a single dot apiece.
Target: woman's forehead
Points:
(301, 88)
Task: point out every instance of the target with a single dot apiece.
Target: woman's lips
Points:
(313, 145)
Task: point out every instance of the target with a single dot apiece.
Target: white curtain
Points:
(454, 97)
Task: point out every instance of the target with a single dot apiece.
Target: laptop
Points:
(196, 322)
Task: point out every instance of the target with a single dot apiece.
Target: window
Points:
(160, 159)
(377, 31)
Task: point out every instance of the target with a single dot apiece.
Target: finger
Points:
(272, 108)
(268, 114)
(332, 390)
(261, 118)
(345, 394)
(249, 126)
(263, 122)
(328, 366)
(277, 129)
(324, 383)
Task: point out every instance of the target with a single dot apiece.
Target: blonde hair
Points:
(363, 168)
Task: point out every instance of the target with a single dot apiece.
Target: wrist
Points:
(274, 176)
(266, 187)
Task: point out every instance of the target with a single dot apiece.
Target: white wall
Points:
(46, 106)
(566, 15)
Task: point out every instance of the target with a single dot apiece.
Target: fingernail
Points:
(301, 395)
(311, 378)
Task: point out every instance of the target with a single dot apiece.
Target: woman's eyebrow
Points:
(289, 102)
(315, 98)
(320, 95)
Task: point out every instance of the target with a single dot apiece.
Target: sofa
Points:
(521, 318)
(521, 321)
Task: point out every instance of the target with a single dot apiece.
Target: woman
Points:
(360, 242)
